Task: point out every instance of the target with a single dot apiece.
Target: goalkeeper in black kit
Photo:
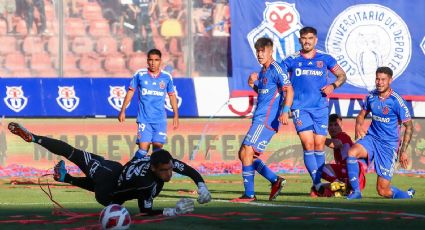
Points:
(112, 183)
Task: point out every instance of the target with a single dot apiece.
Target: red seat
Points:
(99, 28)
(82, 45)
(74, 27)
(91, 66)
(41, 62)
(137, 61)
(53, 46)
(3, 27)
(15, 61)
(126, 46)
(114, 64)
(21, 27)
(8, 44)
(106, 46)
(92, 11)
(33, 44)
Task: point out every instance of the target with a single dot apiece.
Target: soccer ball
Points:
(115, 217)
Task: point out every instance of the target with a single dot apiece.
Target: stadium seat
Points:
(91, 66)
(82, 45)
(126, 46)
(8, 44)
(114, 64)
(21, 27)
(74, 27)
(41, 62)
(106, 46)
(99, 28)
(33, 44)
(137, 61)
(53, 46)
(15, 62)
(92, 11)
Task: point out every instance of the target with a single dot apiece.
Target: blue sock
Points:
(140, 153)
(398, 194)
(248, 179)
(320, 161)
(265, 171)
(310, 163)
(353, 173)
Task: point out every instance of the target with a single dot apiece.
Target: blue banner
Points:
(81, 97)
(361, 35)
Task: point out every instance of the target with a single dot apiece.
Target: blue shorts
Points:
(258, 137)
(315, 120)
(151, 132)
(384, 155)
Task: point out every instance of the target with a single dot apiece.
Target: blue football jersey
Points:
(387, 115)
(270, 95)
(152, 92)
(308, 76)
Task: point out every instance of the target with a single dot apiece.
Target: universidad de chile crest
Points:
(15, 98)
(67, 98)
(281, 22)
(116, 96)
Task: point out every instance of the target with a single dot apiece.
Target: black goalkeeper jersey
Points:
(137, 181)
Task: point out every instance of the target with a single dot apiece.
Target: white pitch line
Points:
(322, 208)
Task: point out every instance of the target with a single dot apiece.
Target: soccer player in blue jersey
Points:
(308, 70)
(152, 85)
(381, 141)
(275, 96)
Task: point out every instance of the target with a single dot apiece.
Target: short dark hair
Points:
(386, 70)
(154, 52)
(263, 42)
(161, 157)
(308, 29)
(334, 117)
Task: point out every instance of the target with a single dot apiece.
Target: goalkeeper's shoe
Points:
(277, 186)
(355, 195)
(411, 192)
(59, 171)
(19, 130)
(244, 198)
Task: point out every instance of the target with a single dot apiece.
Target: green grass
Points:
(294, 209)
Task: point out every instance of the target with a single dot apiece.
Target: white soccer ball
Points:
(115, 217)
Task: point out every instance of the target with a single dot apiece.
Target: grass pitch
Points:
(25, 206)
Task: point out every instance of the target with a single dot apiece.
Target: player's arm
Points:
(173, 101)
(127, 99)
(287, 103)
(333, 143)
(184, 169)
(251, 81)
(359, 131)
(407, 136)
(341, 77)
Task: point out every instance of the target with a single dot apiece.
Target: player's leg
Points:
(362, 149)
(60, 174)
(105, 177)
(79, 157)
(304, 125)
(144, 139)
(329, 173)
(159, 136)
(320, 119)
(384, 166)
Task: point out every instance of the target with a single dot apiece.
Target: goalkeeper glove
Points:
(204, 194)
(183, 206)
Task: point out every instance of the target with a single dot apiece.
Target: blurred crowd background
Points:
(110, 38)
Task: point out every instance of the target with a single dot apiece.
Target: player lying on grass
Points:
(336, 173)
(112, 183)
(381, 142)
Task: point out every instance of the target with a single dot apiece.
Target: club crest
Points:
(67, 98)
(15, 98)
(116, 96)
